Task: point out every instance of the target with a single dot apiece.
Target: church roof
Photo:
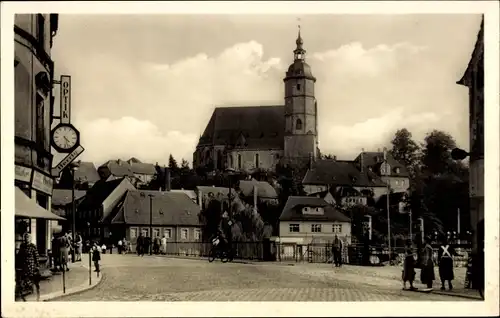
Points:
(251, 127)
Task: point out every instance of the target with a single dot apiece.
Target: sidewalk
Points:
(76, 280)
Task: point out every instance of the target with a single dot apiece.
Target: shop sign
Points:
(23, 173)
(42, 183)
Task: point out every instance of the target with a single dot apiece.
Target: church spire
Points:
(299, 52)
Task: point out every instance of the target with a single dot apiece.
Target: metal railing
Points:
(356, 254)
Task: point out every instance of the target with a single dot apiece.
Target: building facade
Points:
(473, 79)
(33, 77)
(259, 137)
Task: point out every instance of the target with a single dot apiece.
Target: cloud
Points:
(131, 107)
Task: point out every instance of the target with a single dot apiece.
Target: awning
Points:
(26, 208)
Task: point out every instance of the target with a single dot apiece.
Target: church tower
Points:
(301, 115)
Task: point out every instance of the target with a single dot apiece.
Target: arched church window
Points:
(298, 124)
(239, 161)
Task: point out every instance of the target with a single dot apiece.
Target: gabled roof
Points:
(264, 189)
(63, 196)
(344, 173)
(119, 168)
(86, 173)
(168, 208)
(293, 210)
(262, 127)
(374, 160)
(143, 168)
(98, 193)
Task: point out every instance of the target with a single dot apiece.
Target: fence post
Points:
(64, 275)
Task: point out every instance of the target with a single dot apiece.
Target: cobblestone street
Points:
(133, 278)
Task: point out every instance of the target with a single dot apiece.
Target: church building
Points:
(258, 137)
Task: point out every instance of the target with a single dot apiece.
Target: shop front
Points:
(32, 217)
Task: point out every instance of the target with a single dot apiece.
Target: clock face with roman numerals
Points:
(65, 137)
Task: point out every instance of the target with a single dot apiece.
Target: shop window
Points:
(133, 233)
(156, 233)
(167, 233)
(197, 234)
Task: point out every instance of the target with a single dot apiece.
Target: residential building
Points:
(344, 178)
(99, 201)
(62, 202)
(383, 164)
(85, 177)
(144, 172)
(256, 138)
(257, 191)
(325, 195)
(170, 214)
(309, 220)
(473, 79)
(33, 100)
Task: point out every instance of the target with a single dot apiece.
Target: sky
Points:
(145, 86)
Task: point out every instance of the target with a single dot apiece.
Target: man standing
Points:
(156, 245)
(164, 245)
(445, 259)
(140, 245)
(79, 244)
(120, 246)
(337, 249)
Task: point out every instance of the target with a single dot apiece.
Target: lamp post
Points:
(150, 224)
(73, 168)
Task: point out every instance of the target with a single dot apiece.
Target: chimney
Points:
(167, 179)
(385, 154)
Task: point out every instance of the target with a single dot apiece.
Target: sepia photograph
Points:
(281, 157)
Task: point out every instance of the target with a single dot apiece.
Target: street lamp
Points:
(73, 168)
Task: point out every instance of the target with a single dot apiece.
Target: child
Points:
(96, 256)
(408, 266)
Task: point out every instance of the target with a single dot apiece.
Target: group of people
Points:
(62, 247)
(426, 264)
(143, 245)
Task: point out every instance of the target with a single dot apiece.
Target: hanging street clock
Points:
(65, 138)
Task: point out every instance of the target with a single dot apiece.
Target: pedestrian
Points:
(64, 247)
(125, 246)
(96, 256)
(103, 248)
(79, 246)
(408, 266)
(427, 275)
(337, 249)
(56, 253)
(156, 245)
(120, 245)
(28, 267)
(164, 245)
(140, 245)
(445, 261)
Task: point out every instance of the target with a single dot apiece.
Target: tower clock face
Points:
(65, 137)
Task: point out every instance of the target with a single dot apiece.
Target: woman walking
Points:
(96, 256)
(28, 267)
(445, 259)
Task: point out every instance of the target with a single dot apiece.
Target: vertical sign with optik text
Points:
(65, 99)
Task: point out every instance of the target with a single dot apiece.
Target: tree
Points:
(172, 164)
(184, 164)
(436, 154)
(405, 150)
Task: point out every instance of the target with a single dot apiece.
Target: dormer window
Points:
(313, 211)
(396, 170)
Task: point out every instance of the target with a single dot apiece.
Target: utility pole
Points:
(388, 204)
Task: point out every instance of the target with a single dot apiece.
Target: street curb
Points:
(75, 290)
(194, 258)
(451, 294)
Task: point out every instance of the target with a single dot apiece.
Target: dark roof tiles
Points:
(293, 210)
(264, 189)
(63, 196)
(168, 208)
(262, 127)
(335, 172)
